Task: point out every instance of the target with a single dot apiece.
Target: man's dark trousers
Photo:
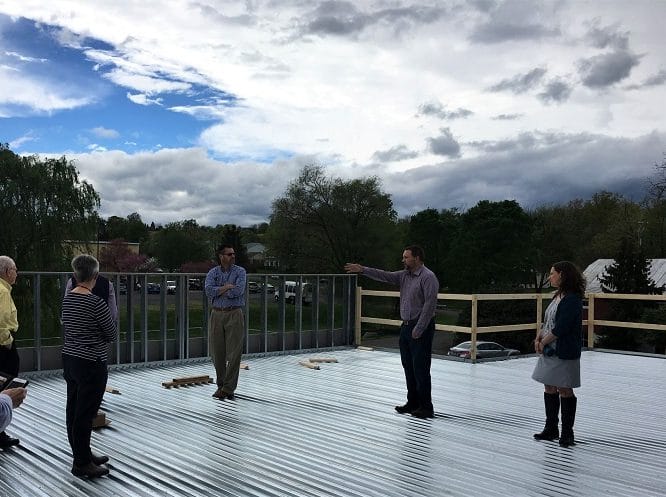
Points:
(416, 356)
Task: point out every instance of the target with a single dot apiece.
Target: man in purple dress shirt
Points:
(418, 301)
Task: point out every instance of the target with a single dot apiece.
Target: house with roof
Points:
(595, 271)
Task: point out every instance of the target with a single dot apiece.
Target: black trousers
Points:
(416, 356)
(86, 382)
(9, 360)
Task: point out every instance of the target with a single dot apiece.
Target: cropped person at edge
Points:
(9, 357)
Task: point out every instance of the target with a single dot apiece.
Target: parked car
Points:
(194, 284)
(122, 288)
(171, 287)
(153, 288)
(290, 289)
(253, 287)
(483, 350)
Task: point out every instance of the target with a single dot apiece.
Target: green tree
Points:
(654, 233)
(131, 228)
(629, 273)
(552, 240)
(492, 251)
(598, 225)
(178, 243)
(434, 231)
(42, 204)
(320, 223)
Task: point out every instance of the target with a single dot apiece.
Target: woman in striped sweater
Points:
(89, 328)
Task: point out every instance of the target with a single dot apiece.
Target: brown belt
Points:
(227, 309)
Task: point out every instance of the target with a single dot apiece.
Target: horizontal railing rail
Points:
(164, 316)
(474, 329)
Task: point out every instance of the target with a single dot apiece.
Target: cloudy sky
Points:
(207, 109)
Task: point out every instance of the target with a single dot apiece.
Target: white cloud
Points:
(17, 143)
(102, 132)
(142, 99)
(23, 58)
(21, 95)
(359, 86)
(533, 168)
(145, 84)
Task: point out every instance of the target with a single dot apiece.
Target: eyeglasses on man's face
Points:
(230, 254)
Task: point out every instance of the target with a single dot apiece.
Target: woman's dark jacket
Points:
(569, 326)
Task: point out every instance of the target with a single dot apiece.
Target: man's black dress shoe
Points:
(91, 470)
(99, 460)
(6, 441)
(423, 413)
(406, 409)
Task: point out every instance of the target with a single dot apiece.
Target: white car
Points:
(171, 287)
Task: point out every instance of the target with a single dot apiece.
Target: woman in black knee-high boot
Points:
(559, 345)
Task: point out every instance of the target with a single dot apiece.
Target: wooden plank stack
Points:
(188, 380)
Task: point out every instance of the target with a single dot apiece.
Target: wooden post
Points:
(539, 312)
(590, 322)
(475, 308)
(357, 317)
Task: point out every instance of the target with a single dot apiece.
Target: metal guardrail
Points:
(159, 325)
(474, 330)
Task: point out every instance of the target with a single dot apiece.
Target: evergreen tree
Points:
(630, 273)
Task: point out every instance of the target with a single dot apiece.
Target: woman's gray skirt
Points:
(551, 370)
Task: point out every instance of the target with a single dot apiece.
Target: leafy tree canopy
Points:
(320, 223)
(179, 243)
(43, 203)
(492, 250)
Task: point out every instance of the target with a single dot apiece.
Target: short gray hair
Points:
(6, 263)
(85, 267)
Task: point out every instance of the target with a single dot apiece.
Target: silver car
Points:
(483, 350)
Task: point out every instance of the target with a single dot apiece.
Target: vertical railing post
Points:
(315, 313)
(475, 308)
(264, 311)
(539, 313)
(590, 322)
(37, 317)
(357, 316)
(331, 309)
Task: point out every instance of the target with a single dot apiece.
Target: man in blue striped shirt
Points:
(225, 287)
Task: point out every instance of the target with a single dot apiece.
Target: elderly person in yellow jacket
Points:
(9, 358)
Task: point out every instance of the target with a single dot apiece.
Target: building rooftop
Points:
(596, 270)
(294, 431)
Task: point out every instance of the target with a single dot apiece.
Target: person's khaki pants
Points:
(225, 339)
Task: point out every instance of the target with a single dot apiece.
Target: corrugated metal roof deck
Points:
(298, 432)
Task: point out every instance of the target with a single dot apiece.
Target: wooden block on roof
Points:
(187, 380)
(193, 379)
(112, 390)
(100, 420)
(309, 364)
(323, 359)
(244, 366)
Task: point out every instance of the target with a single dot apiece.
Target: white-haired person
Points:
(9, 357)
(89, 328)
